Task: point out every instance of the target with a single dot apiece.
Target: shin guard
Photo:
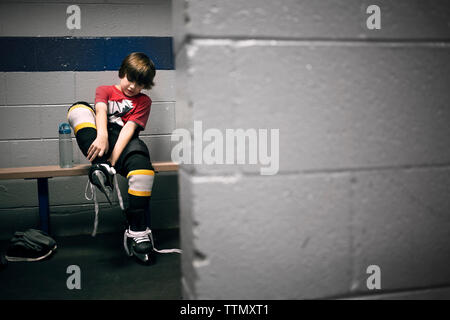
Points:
(140, 182)
(81, 116)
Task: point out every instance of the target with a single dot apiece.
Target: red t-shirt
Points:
(122, 108)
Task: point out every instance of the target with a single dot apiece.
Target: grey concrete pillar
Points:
(364, 153)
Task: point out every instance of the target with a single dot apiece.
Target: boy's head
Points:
(137, 69)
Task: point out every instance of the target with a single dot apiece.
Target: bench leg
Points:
(44, 211)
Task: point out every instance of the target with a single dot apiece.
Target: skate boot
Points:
(139, 244)
(101, 175)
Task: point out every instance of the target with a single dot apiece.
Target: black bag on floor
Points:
(31, 245)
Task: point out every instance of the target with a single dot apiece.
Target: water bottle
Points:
(65, 146)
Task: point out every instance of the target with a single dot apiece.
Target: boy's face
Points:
(129, 88)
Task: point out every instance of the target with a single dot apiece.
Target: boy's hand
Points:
(99, 147)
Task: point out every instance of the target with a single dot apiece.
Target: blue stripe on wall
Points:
(32, 54)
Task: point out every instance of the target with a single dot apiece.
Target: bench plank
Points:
(56, 171)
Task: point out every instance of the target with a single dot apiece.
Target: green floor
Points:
(106, 272)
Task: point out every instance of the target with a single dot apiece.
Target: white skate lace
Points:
(93, 196)
(143, 236)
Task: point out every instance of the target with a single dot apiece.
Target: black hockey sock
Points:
(137, 212)
(85, 137)
(136, 219)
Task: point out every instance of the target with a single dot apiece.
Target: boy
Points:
(108, 135)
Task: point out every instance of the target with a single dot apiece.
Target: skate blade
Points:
(107, 191)
(145, 258)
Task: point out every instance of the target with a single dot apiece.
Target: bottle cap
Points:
(64, 128)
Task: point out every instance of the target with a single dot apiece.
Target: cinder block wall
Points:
(40, 80)
(364, 173)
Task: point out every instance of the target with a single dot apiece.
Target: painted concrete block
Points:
(307, 19)
(159, 147)
(46, 152)
(5, 154)
(237, 222)
(401, 224)
(19, 123)
(187, 236)
(18, 193)
(183, 113)
(162, 118)
(34, 152)
(39, 88)
(150, 18)
(2, 89)
(50, 119)
(86, 82)
(31, 122)
(31, 88)
(164, 89)
(336, 106)
(96, 19)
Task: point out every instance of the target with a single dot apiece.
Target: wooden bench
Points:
(43, 173)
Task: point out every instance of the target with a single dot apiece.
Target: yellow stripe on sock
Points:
(81, 106)
(141, 171)
(140, 193)
(84, 125)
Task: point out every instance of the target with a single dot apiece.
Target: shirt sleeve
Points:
(102, 94)
(141, 114)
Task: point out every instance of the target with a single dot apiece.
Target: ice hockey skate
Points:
(140, 245)
(101, 175)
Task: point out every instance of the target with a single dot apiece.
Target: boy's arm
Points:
(101, 118)
(100, 145)
(125, 136)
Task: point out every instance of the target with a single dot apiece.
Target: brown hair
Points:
(138, 68)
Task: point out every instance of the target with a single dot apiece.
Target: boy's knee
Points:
(80, 116)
